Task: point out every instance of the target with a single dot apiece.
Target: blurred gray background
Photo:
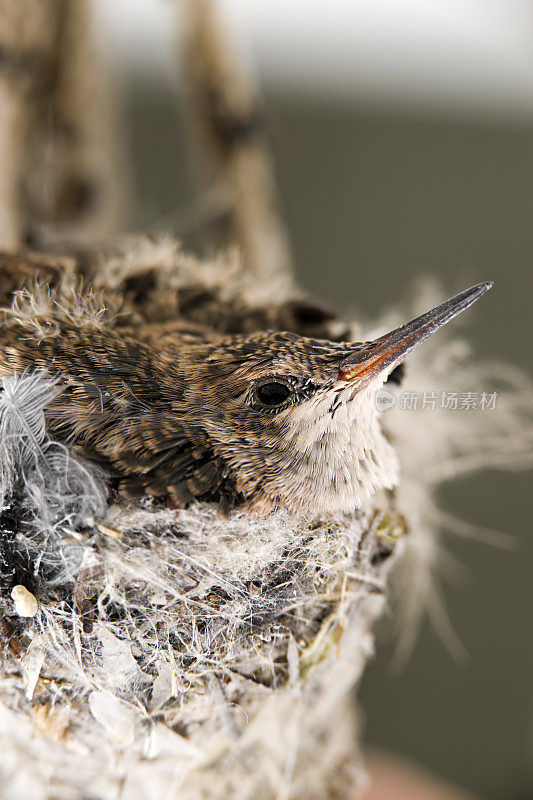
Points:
(403, 135)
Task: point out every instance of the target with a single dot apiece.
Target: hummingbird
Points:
(260, 419)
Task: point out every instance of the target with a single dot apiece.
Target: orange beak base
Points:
(381, 355)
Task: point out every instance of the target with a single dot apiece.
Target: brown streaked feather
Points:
(151, 301)
(115, 407)
(22, 271)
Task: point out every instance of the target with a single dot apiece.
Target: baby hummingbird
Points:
(263, 420)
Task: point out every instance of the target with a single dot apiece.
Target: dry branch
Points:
(232, 146)
(59, 168)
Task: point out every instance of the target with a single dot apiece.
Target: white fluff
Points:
(61, 495)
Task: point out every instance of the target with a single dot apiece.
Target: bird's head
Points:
(294, 420)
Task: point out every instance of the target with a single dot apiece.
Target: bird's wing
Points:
(119, 408)
(180, 463)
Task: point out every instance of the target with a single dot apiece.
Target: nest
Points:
(152, 653)
(206, 630)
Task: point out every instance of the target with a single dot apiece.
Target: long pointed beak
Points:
(382, 355)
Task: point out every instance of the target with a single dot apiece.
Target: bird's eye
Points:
(273, 393)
